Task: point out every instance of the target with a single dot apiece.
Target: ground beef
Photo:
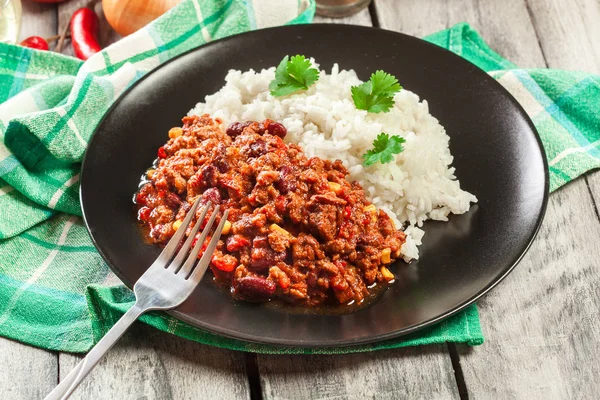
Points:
(299, 230)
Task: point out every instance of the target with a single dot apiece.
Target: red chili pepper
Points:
(347, 212)
(162, 153)
(345, 222)
(35, 42)
(84, 33)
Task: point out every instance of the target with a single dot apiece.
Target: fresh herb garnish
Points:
(384, 148)
(377, 94)
(293, 74)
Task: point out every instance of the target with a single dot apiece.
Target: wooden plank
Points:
(401, 373)
(422, 372)
(569, 35)
(37, 19)
(26, 372)
(150, 364)
(542, 341)
(491, 18)
(543, 338)
(566, 340)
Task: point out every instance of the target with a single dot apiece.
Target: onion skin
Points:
(128, 16)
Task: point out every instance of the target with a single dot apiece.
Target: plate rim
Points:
(337, 342)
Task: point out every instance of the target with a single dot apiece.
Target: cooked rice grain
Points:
(420, 184)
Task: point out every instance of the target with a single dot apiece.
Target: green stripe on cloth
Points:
(56, 292)
(463, 328)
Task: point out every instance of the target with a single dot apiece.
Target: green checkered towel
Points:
(55, 290)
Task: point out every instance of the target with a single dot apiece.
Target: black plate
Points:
(497, 153)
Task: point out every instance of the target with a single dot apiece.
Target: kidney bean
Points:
(286, 182)
(258, 148)
(172, 200)
(237, 128)
(209, 177)
(221, 164)
(262, 259)
(255, 288)
(260, 242)
(213, 195)
(277, 129)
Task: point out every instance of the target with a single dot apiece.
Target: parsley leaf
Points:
(293, 74)
(377, 94)
(384, 148)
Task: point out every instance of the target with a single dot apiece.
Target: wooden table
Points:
(541, 324)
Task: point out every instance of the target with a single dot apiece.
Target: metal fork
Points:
(165, 285)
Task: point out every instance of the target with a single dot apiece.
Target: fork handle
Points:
(66, 387)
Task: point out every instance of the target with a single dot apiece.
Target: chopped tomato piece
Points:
(140, 198)
(144, 214)
(224, 263)
(236, 242)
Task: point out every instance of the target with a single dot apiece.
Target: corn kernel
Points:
(387, 274)
(336, 187)
(150, 173)
(177, 224)
(175, 132)
(371, 208)
(277, 228)
(226, 228)
(385, 255)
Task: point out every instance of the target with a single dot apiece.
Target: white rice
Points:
(419, 185)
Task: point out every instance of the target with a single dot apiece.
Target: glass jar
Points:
(10, 20)
(340, 8)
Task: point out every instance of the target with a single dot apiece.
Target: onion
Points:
(127, 16)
